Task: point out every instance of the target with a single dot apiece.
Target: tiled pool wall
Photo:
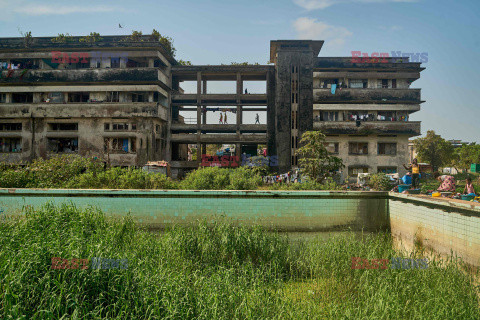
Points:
(285, 211)
(445, 226)
(441, 225)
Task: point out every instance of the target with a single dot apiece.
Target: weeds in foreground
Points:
(215, 270)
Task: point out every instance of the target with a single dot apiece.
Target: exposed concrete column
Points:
(37, 97)
(238, 151)
(150, 97)
(151, 62)
(65, 97)
(199, 100)
(239, 84)
(204, 114)
(8, 98)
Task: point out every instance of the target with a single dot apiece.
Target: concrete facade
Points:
(121, 101)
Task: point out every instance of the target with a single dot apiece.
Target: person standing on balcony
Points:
(257, 119)
(225, 118)
(221, 118)
(415, 168)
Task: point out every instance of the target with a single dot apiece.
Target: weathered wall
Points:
(290, 211)
(445, 226)
(372, 160)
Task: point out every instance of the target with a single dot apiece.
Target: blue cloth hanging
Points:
(334, 87)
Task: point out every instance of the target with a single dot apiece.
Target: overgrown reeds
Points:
(213, 270)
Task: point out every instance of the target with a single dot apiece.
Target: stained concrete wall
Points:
(444, 226)
(372, 160)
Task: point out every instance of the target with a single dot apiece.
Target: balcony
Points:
(220, 138)
(83, 110)
(220, 99)
(130, 75)
(411, 128)
(387, 96)
(213, 128)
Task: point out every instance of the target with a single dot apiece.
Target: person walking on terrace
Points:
(225, 118)
(415, 168)
(221, 118)
(257, 119)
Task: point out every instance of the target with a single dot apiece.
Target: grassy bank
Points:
(212, 271)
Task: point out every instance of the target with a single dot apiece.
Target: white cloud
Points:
(308, 28)
(322, 4)
(37, 10)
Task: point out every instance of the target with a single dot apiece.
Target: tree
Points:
(465, 155)
(314, 158)
(434, 150)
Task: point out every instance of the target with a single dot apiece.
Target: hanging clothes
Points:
(334, 87)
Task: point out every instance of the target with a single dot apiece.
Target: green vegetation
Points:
(379, 182)
(62, 38)
(314, 159)
(91, 38)
(214, 270)
(465, 155)
(434, 150)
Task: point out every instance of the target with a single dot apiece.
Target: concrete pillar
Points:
(239, 83)
(8, 98)
(151, 62)
(150, 97)
(204, 114)
(37, 96)
(65, 97)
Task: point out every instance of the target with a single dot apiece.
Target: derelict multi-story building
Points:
(122, 101)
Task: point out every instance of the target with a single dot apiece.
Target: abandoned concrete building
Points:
(122, 101)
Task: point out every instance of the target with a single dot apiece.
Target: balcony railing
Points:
(367, 95)
(120, 75)
(411, 128)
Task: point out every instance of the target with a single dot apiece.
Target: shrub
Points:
(379, 181)
(11, 178)
(57, 171)
(214, 178)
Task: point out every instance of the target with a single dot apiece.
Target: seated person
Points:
(469, 187)
(448, 182)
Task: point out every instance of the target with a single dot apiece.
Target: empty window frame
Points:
(358, 83)
(62, 145)
(78, 96)
(9, 145)
(63, 126)
(358, 148)
(389, 148)
(10, 127)
(387, 170)
(26, 97)
(332, 147)
(354, 171)
(120, 145)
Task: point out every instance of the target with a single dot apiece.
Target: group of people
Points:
(447, 182)
(289, 177)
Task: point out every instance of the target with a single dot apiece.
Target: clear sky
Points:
(215, 32)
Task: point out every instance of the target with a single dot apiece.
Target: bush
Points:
(214, 178)
(57, 171)
(11, 178)
(119, 178)
(379, 182)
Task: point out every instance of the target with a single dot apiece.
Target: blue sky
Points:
(214, 32)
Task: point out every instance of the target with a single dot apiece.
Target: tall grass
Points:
(214, 270)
